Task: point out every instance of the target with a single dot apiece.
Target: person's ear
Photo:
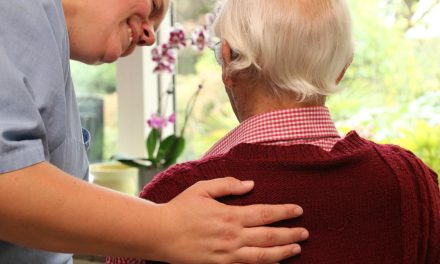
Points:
(341, 75)
(226, 54)
(148, 36)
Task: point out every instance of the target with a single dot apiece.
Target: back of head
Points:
(300, 46)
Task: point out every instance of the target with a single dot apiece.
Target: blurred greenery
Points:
(393, 87)
(99, 81)
(424, 140)
(93, 79)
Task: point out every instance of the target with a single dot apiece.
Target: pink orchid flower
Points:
(157, 122)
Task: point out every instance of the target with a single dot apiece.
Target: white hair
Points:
(294, 45)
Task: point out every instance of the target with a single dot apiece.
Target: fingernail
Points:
(304, 235)
(298, 210)
(296, 249)
(248, 183)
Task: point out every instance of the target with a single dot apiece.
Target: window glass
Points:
(95, 88)
(392, 89)
(212, 117)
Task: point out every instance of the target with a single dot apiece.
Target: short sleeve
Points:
(22, 132)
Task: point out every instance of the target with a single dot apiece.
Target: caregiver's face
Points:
(109, 29)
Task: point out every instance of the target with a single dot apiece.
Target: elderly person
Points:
(364, 202)
(46, 204)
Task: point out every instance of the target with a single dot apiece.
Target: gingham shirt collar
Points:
(308, 125)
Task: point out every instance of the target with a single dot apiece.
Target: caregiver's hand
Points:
(211, 232)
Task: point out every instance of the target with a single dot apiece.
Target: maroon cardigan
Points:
(363, 202)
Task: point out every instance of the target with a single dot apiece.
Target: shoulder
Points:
(403, 160)
(36, 48)
(172, 181)
(27, 12)
(420, 201)
(418, 183)
(37, 37)
(31, 24)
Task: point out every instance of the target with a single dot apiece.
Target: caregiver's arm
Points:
(44, 208)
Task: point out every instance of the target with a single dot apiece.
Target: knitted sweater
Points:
(363, 202)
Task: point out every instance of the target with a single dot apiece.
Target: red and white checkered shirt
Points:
(306, 125)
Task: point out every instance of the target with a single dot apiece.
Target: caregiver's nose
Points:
(148, 36)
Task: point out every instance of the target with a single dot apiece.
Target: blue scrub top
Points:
(39, 119)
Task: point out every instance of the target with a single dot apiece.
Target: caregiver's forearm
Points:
(42, 207)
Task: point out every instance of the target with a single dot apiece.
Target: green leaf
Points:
(165, 147)
(151, 142)
(170, 149)
(179, 146)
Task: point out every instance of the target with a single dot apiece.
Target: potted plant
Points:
(164, 150)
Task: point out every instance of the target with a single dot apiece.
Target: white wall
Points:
(137, 89)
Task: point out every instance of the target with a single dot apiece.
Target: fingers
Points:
(257, 215)
(224, 187)
(267, 255)
(269, 236)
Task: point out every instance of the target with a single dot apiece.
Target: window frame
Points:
(138, 90)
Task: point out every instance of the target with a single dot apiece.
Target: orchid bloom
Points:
(172, 118)
(157, 122)
(177, 38)
(200, 38)
(165, 57)
(163, 67)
